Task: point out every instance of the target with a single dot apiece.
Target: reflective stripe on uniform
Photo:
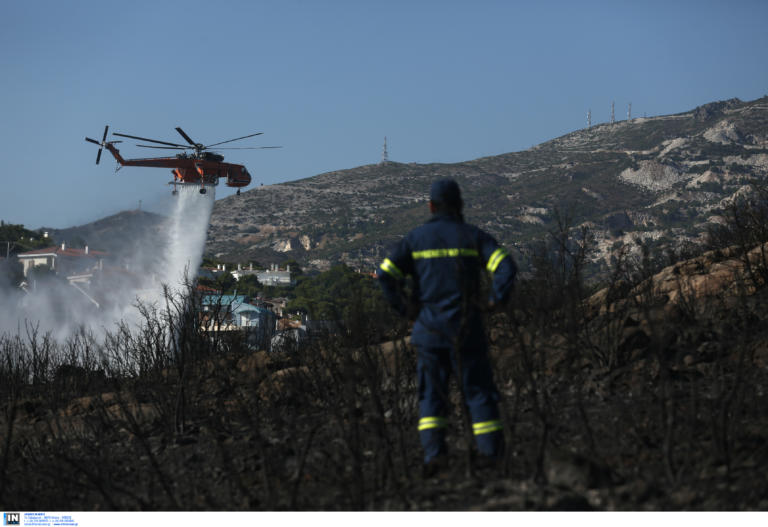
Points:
(443, 253)
(486, 427)
(496, 258)
(426, 423)
(389, 267)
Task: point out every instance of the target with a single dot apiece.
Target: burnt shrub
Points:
(635, 392)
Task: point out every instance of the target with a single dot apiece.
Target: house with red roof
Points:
(63, 260)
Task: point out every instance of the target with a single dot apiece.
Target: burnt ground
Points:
(629, 409)
(650, 394)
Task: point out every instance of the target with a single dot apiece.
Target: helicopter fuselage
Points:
(204, 169)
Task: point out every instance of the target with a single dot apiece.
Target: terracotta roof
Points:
(206, 289)
(77, 253)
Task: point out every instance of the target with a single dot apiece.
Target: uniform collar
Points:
(446, 216)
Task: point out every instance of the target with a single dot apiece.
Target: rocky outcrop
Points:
(652, 175)
(724, 132)
(709, 110)
(722, 274)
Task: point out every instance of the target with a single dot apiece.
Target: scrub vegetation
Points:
(645, 392)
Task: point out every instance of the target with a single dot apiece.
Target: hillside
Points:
(119, 234)
(661, 179)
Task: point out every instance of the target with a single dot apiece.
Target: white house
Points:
(271, 276)
(63, 260)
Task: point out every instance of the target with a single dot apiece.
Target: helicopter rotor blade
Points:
(185, 136)
(146, 139)
(101, 147)
(236, 139)
(166, 147)
(106, 129)
(247, 147)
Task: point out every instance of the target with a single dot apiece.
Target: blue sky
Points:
(445, 81)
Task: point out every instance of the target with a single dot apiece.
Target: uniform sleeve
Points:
(391, 274)
(500, 264)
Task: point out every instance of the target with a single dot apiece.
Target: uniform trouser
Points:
(435, 366)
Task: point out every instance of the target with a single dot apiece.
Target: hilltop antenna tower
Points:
(629, 112)
(589, 118)
(613, 115)
(384, 152)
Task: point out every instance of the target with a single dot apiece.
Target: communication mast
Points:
(613, 115)
(629, 112)
(589, 118)
(384, 152)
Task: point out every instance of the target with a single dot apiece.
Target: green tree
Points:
(18, 239)
(249, 285)
(335, 293)
(11, 272)
(226, 282)
(296, 269)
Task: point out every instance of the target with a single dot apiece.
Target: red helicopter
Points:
(189, 168)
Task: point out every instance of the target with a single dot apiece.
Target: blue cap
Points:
(446, 192)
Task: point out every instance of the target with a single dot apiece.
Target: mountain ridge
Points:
(660, 179)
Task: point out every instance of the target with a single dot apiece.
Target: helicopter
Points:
(193, 165)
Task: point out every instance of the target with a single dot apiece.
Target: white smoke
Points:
(172, 259)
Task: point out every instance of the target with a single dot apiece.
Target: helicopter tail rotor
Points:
(101, 143)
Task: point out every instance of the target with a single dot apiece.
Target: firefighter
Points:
(446, 257)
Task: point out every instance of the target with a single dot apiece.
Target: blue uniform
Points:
(446, 257)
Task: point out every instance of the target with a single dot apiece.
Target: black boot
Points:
(437, 466)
